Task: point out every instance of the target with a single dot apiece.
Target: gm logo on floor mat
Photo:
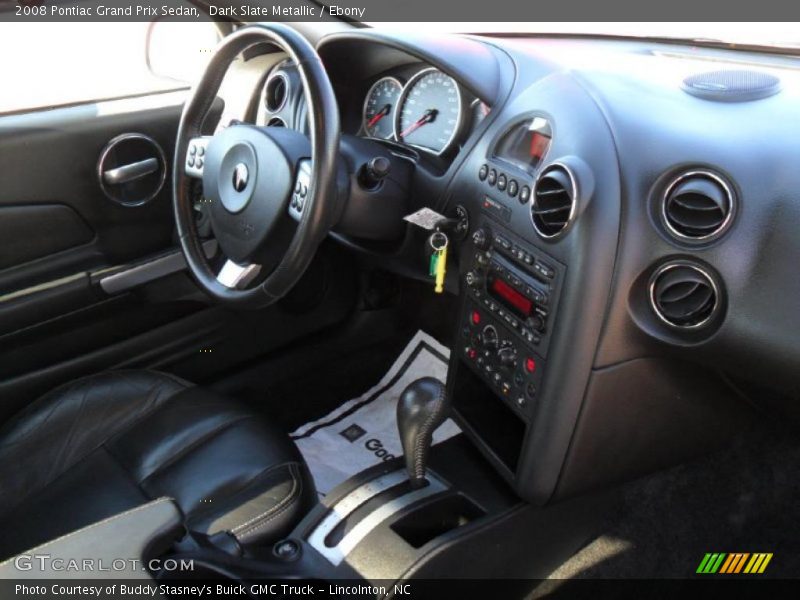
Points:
(352, 433)
(735, 563)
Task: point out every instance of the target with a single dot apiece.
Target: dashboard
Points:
(626, 270)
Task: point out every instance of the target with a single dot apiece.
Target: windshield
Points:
(778, 35)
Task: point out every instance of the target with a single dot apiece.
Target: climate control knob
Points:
(507, 357)
(489, 337)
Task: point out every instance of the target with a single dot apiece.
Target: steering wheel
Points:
(270, 193)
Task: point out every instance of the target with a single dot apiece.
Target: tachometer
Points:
(379, 108)
(430, 113)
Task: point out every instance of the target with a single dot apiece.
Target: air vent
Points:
(553, 206)
(684, 295)
(276, 90)
(697, 206)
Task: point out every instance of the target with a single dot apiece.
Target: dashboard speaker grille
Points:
(553, 206)
(732, 85)
(683, 295)
(697, 206)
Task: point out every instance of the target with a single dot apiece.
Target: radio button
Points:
(545, 270)
(513, 188)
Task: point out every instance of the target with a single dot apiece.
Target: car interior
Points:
(581, 251)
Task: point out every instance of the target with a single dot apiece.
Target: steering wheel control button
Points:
(483, 172)
(302, 184)
(492, 178)
(194, 153)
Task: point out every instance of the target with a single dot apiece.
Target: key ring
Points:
(442, 241)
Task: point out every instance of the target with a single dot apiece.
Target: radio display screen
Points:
(510, 297)
(525, 144)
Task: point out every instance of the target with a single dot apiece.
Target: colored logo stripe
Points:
(711, 563)
(758, 563)
(721, 562)
(735, 562)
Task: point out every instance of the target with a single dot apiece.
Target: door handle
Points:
(131, 172)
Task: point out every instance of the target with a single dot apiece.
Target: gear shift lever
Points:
(420, 410)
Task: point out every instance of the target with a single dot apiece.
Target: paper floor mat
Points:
(363, 431)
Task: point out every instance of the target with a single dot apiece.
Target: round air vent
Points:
(553, 204)
(276, 90)
(697, 206)
(683, 295)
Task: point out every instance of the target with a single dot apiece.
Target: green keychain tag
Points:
(434, 261)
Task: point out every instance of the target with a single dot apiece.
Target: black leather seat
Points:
(113, 441)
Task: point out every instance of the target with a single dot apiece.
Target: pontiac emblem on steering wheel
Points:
(240, 176)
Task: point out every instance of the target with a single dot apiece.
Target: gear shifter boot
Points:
(420, 410)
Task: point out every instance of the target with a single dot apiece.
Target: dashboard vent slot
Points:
(697, 206)
(553, 206)
(683, 295)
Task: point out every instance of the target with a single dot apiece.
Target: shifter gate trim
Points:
(358, 497)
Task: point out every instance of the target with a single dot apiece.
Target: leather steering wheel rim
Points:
(322, 202)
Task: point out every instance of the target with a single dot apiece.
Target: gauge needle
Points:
(429, 116)
(387, 108)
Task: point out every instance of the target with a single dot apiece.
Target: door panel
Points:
(30, 232)
(89, 284)
(50, 163)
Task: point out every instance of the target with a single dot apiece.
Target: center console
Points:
(505, 327)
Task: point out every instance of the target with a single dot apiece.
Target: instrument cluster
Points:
(418, 106)
(427, 109)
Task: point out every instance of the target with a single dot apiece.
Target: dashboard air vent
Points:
(683, 295)
(276, 90)
(553, 206)
(697, 206)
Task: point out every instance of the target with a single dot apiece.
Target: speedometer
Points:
(430, 111)
(379, 108)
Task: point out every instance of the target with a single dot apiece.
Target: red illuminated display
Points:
(539, 145)
(511, 297)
